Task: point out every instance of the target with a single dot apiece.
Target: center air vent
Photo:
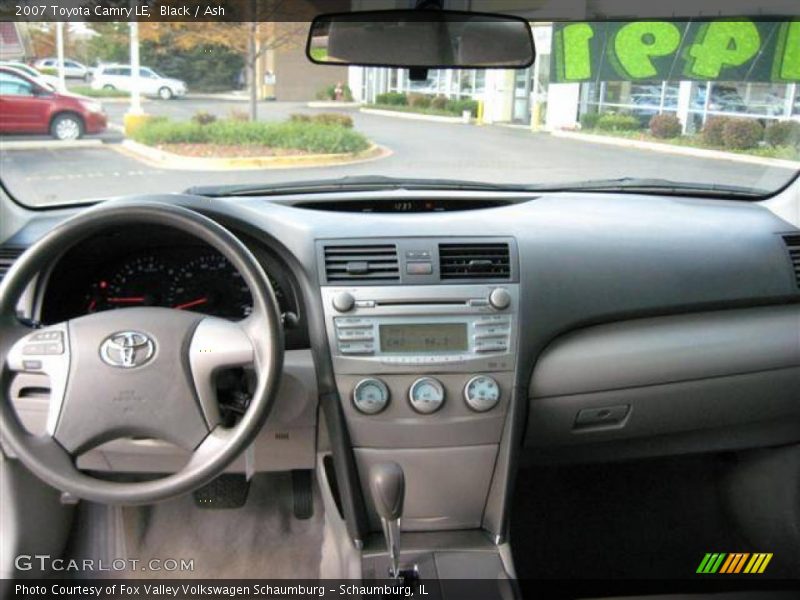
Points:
(8, 255)
(361, 263)
(475, 261)
(793, 245)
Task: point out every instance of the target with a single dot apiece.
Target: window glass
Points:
(11, 85)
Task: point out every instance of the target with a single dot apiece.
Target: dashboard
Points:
(567, 327)
(156, 267)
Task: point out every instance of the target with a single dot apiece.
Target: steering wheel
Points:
(136, 371)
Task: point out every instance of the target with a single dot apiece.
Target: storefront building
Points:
(539, 98)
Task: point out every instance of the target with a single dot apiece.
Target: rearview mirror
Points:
(421, 38)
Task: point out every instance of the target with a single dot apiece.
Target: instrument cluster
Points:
(161, 268)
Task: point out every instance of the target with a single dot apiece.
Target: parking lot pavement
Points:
(420, 150)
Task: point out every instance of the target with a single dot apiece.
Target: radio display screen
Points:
(424, 337)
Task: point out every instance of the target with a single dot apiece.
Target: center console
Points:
(423, 336)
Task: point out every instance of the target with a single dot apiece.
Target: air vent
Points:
(8, 254)
(793, 245)
(475, 261)
(361, 263)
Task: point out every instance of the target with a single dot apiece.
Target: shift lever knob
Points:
(388, 486)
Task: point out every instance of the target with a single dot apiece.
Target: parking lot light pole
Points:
(136, 100)
(62, 80)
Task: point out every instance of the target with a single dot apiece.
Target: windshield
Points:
(648, 104)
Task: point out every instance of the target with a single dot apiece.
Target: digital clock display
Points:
(424, 337)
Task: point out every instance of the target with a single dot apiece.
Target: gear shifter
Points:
(387, 483)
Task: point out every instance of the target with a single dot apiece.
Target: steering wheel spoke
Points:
(217, 344)
(45, 351)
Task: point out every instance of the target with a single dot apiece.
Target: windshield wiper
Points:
(664, 187)
(352, 184)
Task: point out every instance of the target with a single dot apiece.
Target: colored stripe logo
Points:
(734, 562)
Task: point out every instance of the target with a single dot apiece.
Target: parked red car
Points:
(26, 106)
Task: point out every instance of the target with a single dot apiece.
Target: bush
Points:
(336, 119)
(439, 102)
(308, 137)
(237, 114)
(712, 131)
(329, 93)
(202, 117)
(391, 99)
(742, 134)
(783, 133)
(204, 67)
(614, 122)
(665, 126)
(416, 100)
(299, 118)
(459, 106)
(589, 120)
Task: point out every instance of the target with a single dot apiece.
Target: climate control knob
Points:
(500, 298)
(482, 393)
(370, 396)
(344, 301)
(426, 395)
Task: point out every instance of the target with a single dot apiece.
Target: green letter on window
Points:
(573, 46)
(636, 43)
(787, 57)
(722, 44)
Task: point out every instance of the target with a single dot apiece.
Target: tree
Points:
(111, 44)
(268, 28)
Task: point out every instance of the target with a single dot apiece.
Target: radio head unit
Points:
(422, 328)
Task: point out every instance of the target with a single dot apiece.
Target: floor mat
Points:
(260, 540)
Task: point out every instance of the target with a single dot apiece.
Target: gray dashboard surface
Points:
(584, 258)
(643, 352)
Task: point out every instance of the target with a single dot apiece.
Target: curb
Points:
(332, 104)
(167, 160)
(48, 144)
(414, 116)
(115, 100)
(681, 150)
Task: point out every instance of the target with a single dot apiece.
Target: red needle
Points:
(128, 300)
(186, 305)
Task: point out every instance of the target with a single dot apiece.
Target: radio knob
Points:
(500, 298)
(344, 301)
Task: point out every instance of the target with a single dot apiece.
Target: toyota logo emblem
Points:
(127, 349)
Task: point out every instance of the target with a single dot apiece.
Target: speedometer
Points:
(141, 281)
(211, 285)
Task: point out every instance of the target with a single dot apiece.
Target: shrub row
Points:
(295, 135)
(323, 119)
(743, 134)
(426, 101)
(723, 132)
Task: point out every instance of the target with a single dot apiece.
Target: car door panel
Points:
(20, 110)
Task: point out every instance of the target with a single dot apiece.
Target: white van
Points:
(119, 77)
